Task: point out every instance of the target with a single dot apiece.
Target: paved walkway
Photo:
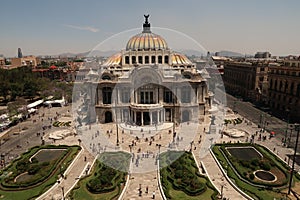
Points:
(143, 181)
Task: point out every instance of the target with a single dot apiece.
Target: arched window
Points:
(153, 59)
(298, 91)
(106, 77)
(140, 59)
(275, 85)
(292, 88)
(126, 59)
(187, 76)
(146, 59)
(160, 59)
(108, 117)
(185, 95)
(166, 59)
(133, 59)
(185, 116)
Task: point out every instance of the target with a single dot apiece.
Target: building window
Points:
(185, 95)
(168, 97)
(141, 59)
(146, 97)
(153, 59)
(147, 59)
(166, 59)
(125, 96)
(106, 94)
(298, 90)
(160, 59)
(292, 89)
(133, 59)
(126, 59)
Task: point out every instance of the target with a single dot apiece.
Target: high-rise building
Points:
(20, 55)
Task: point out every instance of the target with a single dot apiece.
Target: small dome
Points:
(146, 40)
(113, 60)
(179, 59)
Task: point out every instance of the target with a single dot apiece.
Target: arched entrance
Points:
(108, 117)
(185, 116)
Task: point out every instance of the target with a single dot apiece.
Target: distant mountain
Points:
(88, 53)
(225, 53)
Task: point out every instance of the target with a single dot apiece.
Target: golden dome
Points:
(146, 40)
(179, 59)
(113, 60)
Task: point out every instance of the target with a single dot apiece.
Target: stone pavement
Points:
(139, 180)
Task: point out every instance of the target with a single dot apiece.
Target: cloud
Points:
(86, 28)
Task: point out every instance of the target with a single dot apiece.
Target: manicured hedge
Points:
(183, 175)
(41, 171)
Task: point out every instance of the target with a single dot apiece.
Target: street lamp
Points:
(63, 192)
(297, 128)
(192, 142)
(158, 145)
(287, 125)
(117, 124)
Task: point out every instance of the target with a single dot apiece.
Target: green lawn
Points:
(182, 180)
(36, 190)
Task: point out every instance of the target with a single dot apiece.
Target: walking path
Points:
(143, 181)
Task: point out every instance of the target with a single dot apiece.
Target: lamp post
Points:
(63, 192)
(192, 142)
(158, 145)
(297, 128)
(117, 124)
(174, 116)
(290, 137)
(287, 125)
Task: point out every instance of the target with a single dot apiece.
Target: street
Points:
(267, 121)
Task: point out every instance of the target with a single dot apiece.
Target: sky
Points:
(51, 27)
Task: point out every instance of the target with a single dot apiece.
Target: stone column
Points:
(100, 99)
(134, 115)
(161, 95)
(150, 117)
(132, 96)
(158, 116)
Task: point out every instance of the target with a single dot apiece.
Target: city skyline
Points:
(53, 27)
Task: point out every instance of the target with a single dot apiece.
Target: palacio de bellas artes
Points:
(145, 88)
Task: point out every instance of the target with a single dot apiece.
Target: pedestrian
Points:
(147, 189)
(153, 195)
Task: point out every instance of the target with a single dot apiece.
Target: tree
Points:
(4, 89)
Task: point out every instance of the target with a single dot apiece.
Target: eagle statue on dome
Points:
(146, 18)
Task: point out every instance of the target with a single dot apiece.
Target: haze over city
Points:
(54, 27)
